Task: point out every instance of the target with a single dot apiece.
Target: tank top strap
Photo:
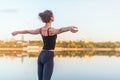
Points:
(48, 31)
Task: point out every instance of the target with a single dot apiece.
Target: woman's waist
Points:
(51, 50)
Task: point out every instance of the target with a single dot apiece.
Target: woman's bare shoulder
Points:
(53, 28)
(53, 31)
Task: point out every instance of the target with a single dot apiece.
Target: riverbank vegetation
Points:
(61, 44)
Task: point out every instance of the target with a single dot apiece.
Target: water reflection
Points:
(69, 65)
(60, 54)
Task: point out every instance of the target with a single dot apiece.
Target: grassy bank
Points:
(65, 49)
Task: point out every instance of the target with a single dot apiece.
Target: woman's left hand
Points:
(74, 29)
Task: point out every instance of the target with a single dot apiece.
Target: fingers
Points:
(74, 29)
(73, 26)
(14, 33)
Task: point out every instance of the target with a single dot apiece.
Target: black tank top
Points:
(49, 41)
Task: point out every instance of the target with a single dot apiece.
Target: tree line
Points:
(62, 44)
(83, 44)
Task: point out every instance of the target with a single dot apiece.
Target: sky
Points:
(97, 20)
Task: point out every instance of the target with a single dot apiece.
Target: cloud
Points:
(8, 10)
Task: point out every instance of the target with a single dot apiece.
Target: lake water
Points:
(69, 65)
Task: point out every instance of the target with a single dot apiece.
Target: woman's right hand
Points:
(14, 33)
(74, 29)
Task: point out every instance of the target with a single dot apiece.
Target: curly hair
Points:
(46, 16)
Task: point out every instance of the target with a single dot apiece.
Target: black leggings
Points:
(45, 65)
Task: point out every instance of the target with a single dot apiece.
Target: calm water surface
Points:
(69, 65)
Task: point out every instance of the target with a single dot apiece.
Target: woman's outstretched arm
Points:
(73, 29)
(33, 32)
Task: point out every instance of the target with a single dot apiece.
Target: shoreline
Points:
(61, 49)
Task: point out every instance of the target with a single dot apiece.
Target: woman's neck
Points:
(48, 25)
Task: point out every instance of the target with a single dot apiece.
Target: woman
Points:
(49, 35)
